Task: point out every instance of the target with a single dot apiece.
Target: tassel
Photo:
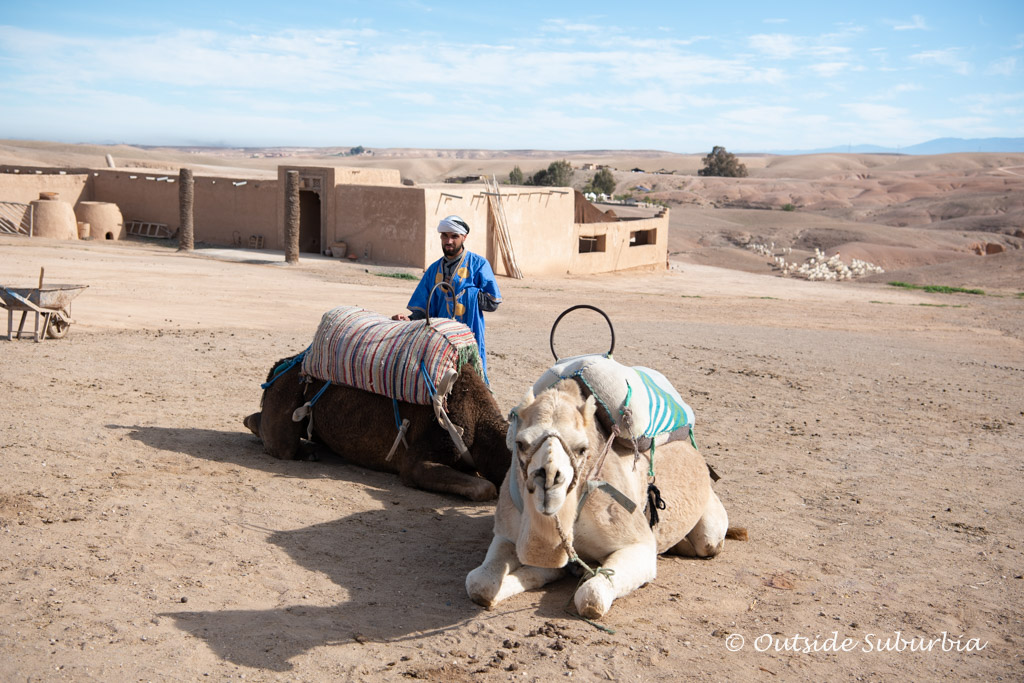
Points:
(654, 503)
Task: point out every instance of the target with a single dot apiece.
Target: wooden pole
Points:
(291, 218)
(186, 197)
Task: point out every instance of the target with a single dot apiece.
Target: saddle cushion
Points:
(363, 349)
(657, 411)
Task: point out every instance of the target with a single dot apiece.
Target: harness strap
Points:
(399, 439)
(617, 495)
(306, 410)
(437, 398)
(513, 486)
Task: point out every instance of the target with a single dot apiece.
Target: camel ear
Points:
(527, 399)
(589, 409)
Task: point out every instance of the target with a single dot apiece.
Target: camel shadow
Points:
(408, 588)
(244, 449)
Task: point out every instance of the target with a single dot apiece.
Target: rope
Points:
(588, 573)
(283, 368)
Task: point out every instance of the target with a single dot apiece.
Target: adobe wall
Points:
(226, 214)
(223, 213)
(540, 222)
(24, 187)
(617, 252)
(380, 224)
(469, 203)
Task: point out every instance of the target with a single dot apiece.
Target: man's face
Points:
(451, 244)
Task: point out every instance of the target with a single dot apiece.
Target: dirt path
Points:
(869, 439)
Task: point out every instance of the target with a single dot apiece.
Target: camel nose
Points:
(549, 477)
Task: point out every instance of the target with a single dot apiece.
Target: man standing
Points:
(469, 275)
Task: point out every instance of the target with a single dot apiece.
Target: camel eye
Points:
(521, 445)
(580, 450)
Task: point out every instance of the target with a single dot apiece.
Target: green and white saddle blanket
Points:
(640, 401)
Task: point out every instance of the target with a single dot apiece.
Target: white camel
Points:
(573, 495)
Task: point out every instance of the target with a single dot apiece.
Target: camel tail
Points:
(737, 533)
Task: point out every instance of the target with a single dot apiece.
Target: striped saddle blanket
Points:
(657, 413)
(398, 359)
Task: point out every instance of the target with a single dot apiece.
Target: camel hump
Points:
(404, 360)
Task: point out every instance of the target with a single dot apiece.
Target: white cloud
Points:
(895, 91)
(777, 45)
(787, 46)
(950, 58)
(829, 69)
(868, 111)
(1002, 67)
(916, 23)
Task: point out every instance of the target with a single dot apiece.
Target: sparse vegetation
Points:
(515, 176)
(722, 163)
(789, 207)
(399, 276)
(940, 289)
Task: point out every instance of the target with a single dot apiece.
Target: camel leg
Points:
(434, 476)
(502, 575)
(708, 535)
(633, 566)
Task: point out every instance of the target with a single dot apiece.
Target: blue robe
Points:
(472, 275)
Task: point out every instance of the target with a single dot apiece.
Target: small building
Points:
(552, 230)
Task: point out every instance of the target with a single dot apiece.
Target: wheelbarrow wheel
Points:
(57, 328)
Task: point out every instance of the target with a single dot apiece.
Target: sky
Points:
(674, 76)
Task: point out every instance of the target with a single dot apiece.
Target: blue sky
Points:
(674, 76)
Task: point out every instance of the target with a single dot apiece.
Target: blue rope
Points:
(285, 367)
(426, 378)
(398, 419)
(319, 393)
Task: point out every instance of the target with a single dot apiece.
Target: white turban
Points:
(453, 224)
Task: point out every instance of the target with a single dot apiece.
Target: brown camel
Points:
(360, 427)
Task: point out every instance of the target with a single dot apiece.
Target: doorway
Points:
(309, 222)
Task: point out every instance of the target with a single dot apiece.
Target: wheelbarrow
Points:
(52, 303)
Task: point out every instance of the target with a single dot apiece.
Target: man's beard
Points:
(451, 251)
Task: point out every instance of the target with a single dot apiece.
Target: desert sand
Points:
(868, 438)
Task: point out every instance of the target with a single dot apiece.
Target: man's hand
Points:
(400, 316)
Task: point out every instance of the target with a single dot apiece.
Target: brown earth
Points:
(869, 439)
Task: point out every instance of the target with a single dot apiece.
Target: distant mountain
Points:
(937, 146)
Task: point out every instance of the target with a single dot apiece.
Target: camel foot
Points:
(253, 423)
(594, 598)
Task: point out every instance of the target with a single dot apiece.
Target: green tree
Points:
(603, 181)
(560, 173)
(722, 163)
(356, 151)
(515, 176)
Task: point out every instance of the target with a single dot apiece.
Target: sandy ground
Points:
(869, 439)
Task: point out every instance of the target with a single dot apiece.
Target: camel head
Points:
(555, 431)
